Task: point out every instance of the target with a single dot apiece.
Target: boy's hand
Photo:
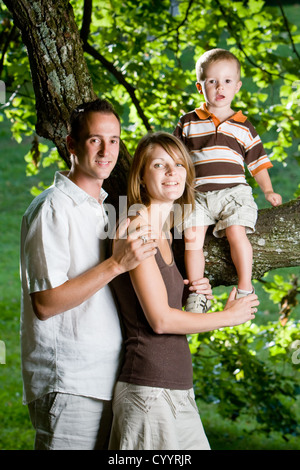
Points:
(201, 286)
(273, 198)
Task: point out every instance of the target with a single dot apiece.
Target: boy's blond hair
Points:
(211, 56)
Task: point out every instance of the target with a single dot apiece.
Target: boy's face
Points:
(221, 83)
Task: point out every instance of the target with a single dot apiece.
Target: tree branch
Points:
(89, 49)
(118, 75)
(288, 29)
(240, 46)
(276, 244)
(86, 20)
(5, 46)
(59, 73)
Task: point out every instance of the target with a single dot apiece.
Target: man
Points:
(70, 333)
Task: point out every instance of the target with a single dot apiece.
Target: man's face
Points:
(96, 149)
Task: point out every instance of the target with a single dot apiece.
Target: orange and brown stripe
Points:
(220, 150)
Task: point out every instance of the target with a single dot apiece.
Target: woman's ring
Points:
(144, 239)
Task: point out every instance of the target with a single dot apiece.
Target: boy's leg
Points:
(194, 265)
(241, 255)
(193, 255)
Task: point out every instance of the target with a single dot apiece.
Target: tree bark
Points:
(61, 81)
(60, 76)
(276, 244)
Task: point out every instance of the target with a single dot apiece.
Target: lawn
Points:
(16, 432)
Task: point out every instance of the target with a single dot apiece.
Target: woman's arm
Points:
(151, 292)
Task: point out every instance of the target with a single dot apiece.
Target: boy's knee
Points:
(236, 231)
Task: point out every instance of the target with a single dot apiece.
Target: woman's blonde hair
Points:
(137, 193)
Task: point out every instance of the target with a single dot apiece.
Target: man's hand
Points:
(129, 250)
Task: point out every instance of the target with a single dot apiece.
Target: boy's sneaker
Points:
(243, 293)
(197, 303)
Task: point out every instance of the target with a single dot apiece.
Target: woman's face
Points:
(164, 177)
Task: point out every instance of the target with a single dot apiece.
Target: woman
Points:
(154, 406)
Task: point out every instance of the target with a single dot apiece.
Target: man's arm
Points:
(128, 253)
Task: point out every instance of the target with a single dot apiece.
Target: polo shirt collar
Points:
(71, 189)
(203, 113)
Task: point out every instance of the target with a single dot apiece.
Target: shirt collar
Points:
(203, 113)
(71, 189)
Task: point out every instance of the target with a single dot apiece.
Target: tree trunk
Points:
(59, 73)
(60, 76)
(61, 81)
(276, 244)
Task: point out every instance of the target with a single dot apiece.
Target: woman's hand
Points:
(241, 310)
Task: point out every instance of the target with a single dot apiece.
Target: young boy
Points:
(220, 140)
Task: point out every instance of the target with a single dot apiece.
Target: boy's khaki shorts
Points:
(230, 206)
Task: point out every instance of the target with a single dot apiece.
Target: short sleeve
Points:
(46, 249)
(255, 155)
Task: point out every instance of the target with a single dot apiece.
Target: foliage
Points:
(151, 48)
(250, 370)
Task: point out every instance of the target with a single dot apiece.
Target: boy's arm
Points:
(263, 180)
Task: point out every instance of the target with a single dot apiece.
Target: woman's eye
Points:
(158, 165)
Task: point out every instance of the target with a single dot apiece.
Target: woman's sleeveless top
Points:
(152, 359)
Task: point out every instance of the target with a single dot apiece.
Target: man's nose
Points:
(102, 148)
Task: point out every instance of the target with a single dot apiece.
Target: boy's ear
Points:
(199, 87)
(238, 86)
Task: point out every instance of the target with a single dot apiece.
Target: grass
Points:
(224, 434)
(16, 432)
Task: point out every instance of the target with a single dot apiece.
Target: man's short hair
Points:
(79, 114)
(211, 56)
